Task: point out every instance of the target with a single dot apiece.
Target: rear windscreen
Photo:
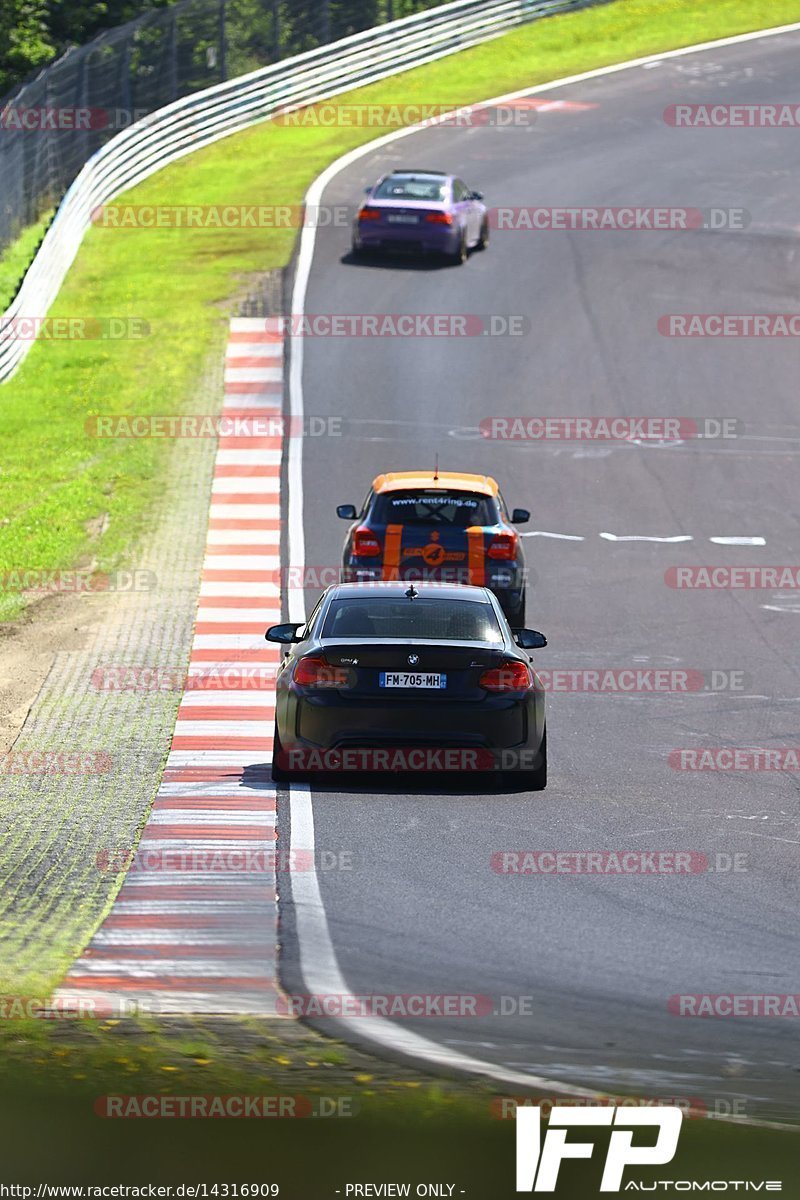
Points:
(458, 510)
(410, 189)
(425, 617)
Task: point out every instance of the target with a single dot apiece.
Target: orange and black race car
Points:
(438, 526)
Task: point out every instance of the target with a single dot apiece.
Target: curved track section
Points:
(423, 910)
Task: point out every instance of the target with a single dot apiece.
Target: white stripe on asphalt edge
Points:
(194, 928)
(318, 963)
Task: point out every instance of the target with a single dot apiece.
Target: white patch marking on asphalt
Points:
(644, 537)
(739, 541)
(564, 537)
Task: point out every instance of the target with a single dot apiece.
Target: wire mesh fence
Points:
(53, 123)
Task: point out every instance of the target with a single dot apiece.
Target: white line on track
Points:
(645, 537)
(318, 963)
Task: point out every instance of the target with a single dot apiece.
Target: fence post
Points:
(223, 41)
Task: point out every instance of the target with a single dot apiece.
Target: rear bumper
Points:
(506, 580)
(313, 729)
(416, 238)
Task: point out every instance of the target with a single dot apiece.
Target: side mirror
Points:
(368, 189)
(284, 633)
(477, 195)
(519, 516)
(530, 639)
(346, 511)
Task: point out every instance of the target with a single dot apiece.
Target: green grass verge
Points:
(55, 481)
(16, 258)
(386, 1120)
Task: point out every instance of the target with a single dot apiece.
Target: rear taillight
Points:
(369, 214)
(510, 676)
(503, 546)
(438, 218)
(316, 672)
(365, 544)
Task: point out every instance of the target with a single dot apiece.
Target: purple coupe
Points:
(422, 211)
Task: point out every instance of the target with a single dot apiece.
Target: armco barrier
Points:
(204, 117)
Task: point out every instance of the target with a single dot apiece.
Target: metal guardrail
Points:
(204, 117)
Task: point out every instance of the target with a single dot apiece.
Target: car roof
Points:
(393, 589)
(446, 481)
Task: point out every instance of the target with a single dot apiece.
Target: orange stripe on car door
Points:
(391, 551)
(477, 557)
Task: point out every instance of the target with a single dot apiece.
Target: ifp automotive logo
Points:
(538, 1161)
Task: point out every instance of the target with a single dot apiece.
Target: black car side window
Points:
(366, 505)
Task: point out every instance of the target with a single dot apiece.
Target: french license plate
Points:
(412, 679)
(402, 218)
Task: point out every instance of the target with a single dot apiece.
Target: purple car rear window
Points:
(410, 189)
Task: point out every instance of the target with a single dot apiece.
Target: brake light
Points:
(438, 218)
(510, 676)
(365, 543)
(369, 214)
(316, 672)
(503, 546)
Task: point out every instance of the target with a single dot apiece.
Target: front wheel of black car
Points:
(535, 780)
(516, 616)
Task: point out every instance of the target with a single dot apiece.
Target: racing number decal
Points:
(477, 572)
(391, 551)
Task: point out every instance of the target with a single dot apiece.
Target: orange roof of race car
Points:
(446, 480)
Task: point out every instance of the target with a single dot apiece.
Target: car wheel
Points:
(535, 780)
(516, 616)
(483, 239)
(460, 254)
(279, 774)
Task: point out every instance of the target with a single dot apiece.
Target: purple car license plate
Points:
(402, 218)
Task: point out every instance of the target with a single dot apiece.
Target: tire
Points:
(536, 780)
(279, 774)
(459, 256)
(516, 616)
(483, 240)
